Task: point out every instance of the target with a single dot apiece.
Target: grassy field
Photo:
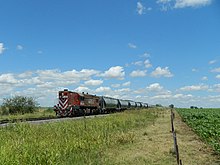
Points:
(70, 142)
(132, 137)
(40, 113)
(206, 123)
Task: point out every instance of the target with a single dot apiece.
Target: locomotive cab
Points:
(74, 104)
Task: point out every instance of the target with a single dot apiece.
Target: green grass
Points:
(206, 123)
(71, 142)
(40, 113)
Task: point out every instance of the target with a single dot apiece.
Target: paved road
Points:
(56, 120)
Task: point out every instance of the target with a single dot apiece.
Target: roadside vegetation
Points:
(71, 142)
(206, 123)
(22, 108)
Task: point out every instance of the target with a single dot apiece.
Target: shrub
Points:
(19, 104)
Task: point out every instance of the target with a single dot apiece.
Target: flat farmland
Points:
(206, 123)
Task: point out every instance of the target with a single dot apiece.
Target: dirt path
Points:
(154, 145)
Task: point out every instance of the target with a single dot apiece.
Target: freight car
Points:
(77, 104)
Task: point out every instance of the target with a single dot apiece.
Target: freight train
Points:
(78, 104)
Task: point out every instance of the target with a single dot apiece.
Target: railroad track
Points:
(46, 119)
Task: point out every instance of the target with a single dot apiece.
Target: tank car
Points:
(124, 104)
(108, 104)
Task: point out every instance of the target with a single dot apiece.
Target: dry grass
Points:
(153, 145)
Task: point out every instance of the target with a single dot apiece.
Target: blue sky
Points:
(155, 51)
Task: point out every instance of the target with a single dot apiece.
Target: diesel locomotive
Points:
(78, 104)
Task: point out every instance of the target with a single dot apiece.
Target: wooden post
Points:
(179, 162)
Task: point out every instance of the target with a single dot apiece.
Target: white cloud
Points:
(140, 8)
(179, 4)
(165, 4)
(133, 46)
(116, 85)
(181, 96)
(123, 90)
(145, 55)
(191, 3)
(156, 87)
(27, 74)
(204, 78)
(128, 83)
(72, 75)
(162, 72)
(103, 89)
(147, 64)
(218, 76)
(19, 47)
(138, 63)
(164, 96)
(7, 79)
(195, 87)
(116, 72)
(1, 48)
(212, 62)
(215, 88)
(138, 73)
(216, 70)
(82, 89)
(93, 82)
(195, 70)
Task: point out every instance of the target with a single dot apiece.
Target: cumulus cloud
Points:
(161, 72)
(194, 87)
(138, 63)
(218, 76)
(195, 70)
(216, 70)
(19, 47)
(81, 89)
(103, 89)
(145, 55)
(140, 8)
(93, 82)
(204, 78)
(179, 4)
(191, 3)
(116, 85)
(133, 46)
(72, 75)
(138, 73)
(165, 4)
(128, 83)
(212, 62)
(2, 48)
(155, 87)
(7, 79)
(147, 64)
(116, 72)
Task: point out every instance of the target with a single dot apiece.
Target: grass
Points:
(71, 142)
(132, 137)
(40, 113)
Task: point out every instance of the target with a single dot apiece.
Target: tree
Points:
(171, 106)
(19, 104)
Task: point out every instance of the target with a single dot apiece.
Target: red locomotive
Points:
(74, 104)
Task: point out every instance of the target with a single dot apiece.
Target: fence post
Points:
(179, 162)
